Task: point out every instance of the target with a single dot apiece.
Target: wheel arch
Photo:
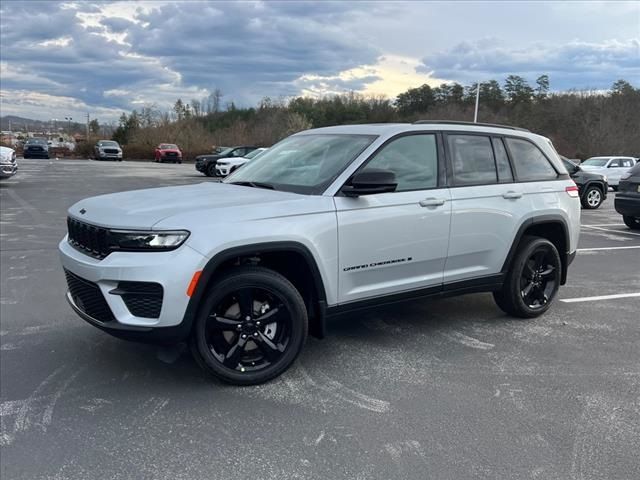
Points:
(552, 227)
(299, 267)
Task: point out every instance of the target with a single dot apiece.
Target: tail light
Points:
(572, 191)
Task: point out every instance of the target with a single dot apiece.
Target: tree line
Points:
(580, 123)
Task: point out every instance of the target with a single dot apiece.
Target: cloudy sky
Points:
(69, 58)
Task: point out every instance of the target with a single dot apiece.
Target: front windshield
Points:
(253, 154)
(303, 163)
(107, 143)
(596, 162)
(168, 146)
(226, 151)
(36, 141)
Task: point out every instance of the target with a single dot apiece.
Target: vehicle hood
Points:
(208, 157)
(6, 151)
(591, 168)
(187, 204)
(233, 161)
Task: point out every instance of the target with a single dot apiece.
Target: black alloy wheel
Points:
(251, 328)
(533, 279)
(211, 170)
(538, 279)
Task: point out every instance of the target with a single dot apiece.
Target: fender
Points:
(565, 256)
(212, 266)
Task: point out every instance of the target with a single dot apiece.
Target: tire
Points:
(614, 188)
(536, 269)
(239, 348)
(632, 222)
(592, 198)
(211, 170)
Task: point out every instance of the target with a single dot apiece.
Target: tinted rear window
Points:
(530, 163)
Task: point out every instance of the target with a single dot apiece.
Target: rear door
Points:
(395, 242)
(487, 206)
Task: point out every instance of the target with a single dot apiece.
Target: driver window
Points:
(413, 159)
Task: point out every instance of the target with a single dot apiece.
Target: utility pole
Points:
(88, 119)
(475, 115)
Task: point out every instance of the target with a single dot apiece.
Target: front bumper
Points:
(627, 205)
(173, 270)
(8, 170)
(110, 156)
(35, 154)
(222, 170)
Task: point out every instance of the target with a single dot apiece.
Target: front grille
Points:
(143, 299)
(87, 297)
(87, 238)
(34, 149)
(170, 154)
(111, 150)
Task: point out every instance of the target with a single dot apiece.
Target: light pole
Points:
(475, 114)
(68, 119)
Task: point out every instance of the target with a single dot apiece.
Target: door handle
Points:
(511, 195)
(431, 202)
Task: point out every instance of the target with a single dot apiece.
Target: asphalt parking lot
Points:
(440, 389)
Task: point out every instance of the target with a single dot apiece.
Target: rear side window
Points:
(502, 161)
(413, 159)
(472, 160)
(530, 163)
(626, 162)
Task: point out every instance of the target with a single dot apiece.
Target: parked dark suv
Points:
(207, 163)
(36, 148)
(627, 202)
(592, 187)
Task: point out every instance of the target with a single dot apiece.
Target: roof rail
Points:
(458, 122)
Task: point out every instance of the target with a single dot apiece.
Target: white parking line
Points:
(610, 230)
(604, 225)
(597, 249)
(600, 297)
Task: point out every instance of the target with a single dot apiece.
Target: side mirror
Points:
(371, 181)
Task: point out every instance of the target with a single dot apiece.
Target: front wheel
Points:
(533, 279)
(632, 222)
(211, 170)
(251, 327)
(592, 198)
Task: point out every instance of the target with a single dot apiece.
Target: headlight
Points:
(131, 241)
(605, 178)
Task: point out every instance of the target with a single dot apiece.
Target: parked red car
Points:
(168, 152)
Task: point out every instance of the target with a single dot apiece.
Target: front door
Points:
(398, 241)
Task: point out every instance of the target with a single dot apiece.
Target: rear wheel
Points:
(592, 198)
(533, 279)
(632, 222)
(251, 327)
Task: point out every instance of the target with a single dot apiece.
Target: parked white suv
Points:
(611, 167)
(358, 216)
(229, 165)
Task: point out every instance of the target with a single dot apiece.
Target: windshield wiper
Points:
(254, 184)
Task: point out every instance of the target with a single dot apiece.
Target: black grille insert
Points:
(143, 299)
(87, 297)
(87, 238)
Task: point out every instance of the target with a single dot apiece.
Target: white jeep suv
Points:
(327, 221)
